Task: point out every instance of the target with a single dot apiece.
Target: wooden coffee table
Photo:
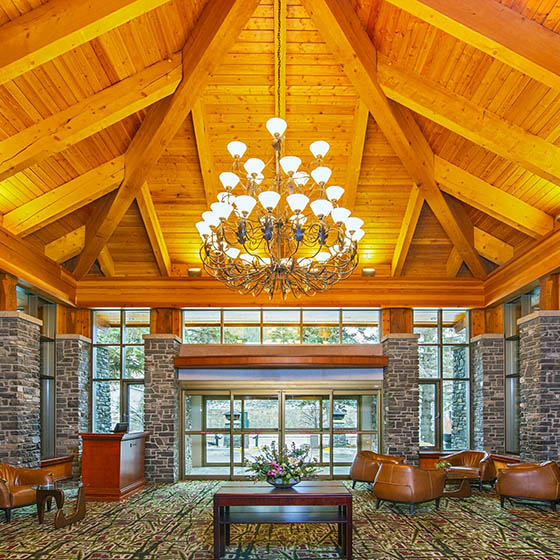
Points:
(55, 490)
(314, 501)
(464, 489)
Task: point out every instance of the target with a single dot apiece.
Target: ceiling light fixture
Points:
(283, 233)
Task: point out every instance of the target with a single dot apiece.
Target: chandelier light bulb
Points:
(297, 202)
(321, 208)
(269, 199)
(254, 166)
(357, 235)
(210, 218)
(301, 178)
(222, 209)
(233, 252)
(339, 215)
(276, 126)
(319, 148)
(290, 164)
(236, 149)
(203, 229)
(321, 174)
(245, 204)
(322, 257)
(334, 192)
(229, 179)
(353, 223)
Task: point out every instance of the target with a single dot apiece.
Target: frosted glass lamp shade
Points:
(334, 192)
(236, 149)
(221, 209)
(321, 208)
(254, 166)
(232, 252)
(323, 256)
(276, 126)
(304, 261)
(321, 174)
(210, 218)
(301, 178)
(269, 199)
(245, 204)
(357, 235)
(229, 179)
(203, 229)
(259, 178)
(265, 261)
(290, 164)
(319, 148)
(353, 223)
(245, 257)
(297, 202)
(340, 215)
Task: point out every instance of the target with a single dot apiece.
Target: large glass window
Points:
(118, 368)
(281, 326)
(444, 372)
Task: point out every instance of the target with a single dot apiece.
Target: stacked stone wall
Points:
(20, 434)
(400, 396)
(102, 421)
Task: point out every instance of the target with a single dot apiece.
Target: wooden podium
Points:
(112, 465)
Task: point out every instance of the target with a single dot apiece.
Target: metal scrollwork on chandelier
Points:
(260, 235)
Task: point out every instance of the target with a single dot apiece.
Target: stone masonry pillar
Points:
(161, 407)
(539, 367)
(20, 431)
(400, 396)
(488, 392)
(72, 390)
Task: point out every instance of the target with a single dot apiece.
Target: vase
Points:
(279, 483)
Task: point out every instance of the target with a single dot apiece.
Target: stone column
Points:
(400, 396)
(72, 390)
(539, 385)
(488, 392)
(20, 432)
(161, 407)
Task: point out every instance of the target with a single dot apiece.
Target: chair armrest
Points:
(34, 476)
(512, 466)
(487, 469)
(4, 494)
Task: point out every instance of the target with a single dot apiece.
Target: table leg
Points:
(78, 514)
(227, 527)
(217, 543)
(348, 539)
(41, 508)
(464, 491)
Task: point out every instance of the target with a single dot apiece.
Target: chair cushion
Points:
(463, 472)
(22, 495)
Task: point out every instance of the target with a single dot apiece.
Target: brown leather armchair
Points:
(531, 481)
(475, 465)
(405, 484)
(366, 464)
(16, 486)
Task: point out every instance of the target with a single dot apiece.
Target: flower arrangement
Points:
(283, 467)
(443, 465)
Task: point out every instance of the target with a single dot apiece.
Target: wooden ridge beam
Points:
(359, 129)
(491, 200)
(26, 261)
(463, 117)
(342, 30)
(153, 229)
(497, 30)
(66, 247)
(216, 31)
(63, 200)
(205, 160)
(406, 233)
(100, 110)
(59, 26)
(280, 21)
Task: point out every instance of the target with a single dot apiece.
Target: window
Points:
(118, 368)
(444, 372)
(281, 326)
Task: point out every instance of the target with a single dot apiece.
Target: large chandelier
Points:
(260, 236)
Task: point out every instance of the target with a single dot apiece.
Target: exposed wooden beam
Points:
(340, 27)
(491, 200)
(153, 229)
(217, 29)
(66, 247)
(454, 263)
(61, 130)
(63, 200)
(463, 117)
(497, 30)
(408, 227)
(106, 262)
(8, 294)
(59, 26)
(205, 160)
(359, 129)
(280, 22)
(492, 248)
(27, 262)
(373, 292)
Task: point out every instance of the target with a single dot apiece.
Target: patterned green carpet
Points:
(175, 522)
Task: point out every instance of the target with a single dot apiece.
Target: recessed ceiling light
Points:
(368, 271)
(195, 272)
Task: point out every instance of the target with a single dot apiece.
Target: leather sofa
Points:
(16, 486)
(532, 481)
(406, 484)
(366, 464)
(475, 465)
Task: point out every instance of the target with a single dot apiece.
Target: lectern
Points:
(112, 465)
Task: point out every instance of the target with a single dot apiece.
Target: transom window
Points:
(281, 326)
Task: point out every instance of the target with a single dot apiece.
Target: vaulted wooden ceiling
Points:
(443, 120)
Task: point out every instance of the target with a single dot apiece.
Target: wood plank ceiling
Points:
(453, 163)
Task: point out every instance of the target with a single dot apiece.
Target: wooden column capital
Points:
(489, 320)
(549, 299)
(70, 320)
(166, 320)
(396, 320)
(8, 295)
